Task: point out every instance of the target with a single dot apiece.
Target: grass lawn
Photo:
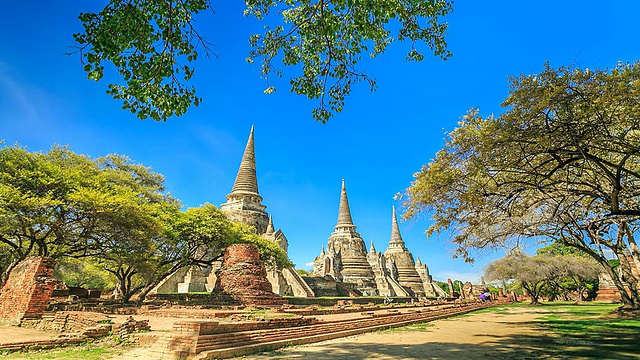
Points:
(588, 330)
(591, 330)
(89, 351)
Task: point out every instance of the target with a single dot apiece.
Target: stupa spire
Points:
(344, 213)
(270, 228)
(396, 238)
(372, 249)
(246, 180)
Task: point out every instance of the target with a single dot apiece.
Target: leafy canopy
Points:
(151, 42)
(562, 163)
(112, 212)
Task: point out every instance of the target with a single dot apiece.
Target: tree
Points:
(555, 275)
(151, 43)
(60, 204)
(195, 237)
(530, 273)
(561, 163)
(577, 273)
(83, 272)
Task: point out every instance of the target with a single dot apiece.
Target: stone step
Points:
(239, 340)
(210, 342)
(324, 332)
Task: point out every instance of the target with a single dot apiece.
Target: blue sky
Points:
(376, 144)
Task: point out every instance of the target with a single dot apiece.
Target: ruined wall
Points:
(28, 290)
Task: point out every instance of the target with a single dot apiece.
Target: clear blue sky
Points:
(377, 143)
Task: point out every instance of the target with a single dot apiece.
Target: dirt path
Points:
(507, 334)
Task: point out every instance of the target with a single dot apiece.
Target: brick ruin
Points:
(242, 278)
(244, 204)
(346, 268)
(392, 273)
(607, 289)
(28, 290)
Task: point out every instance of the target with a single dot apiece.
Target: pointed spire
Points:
(270, 228)
(322, 251)
(246, 180)
(372, 249)
(418, 262)
(344, 213)
(396, 238)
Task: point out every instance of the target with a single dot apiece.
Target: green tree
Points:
(561, 163)
(547, 273)
(195, 237)
(83, 272)
(528, 272)
(152, 42)
(61, 204)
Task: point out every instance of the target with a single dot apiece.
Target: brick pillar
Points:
(27, 291)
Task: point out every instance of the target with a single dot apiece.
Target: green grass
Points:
(591, 330)
(418, 327)
(100, 351)
(588, 330)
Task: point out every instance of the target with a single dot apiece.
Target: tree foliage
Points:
(564, 276)
(151, 43)
(63, 204)
(113, 213)
(83, 272)
(561, 163)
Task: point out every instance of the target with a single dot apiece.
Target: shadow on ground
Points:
(499, 347)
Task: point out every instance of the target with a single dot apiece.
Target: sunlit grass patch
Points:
(589, 330)
(418, 327)
(90, 351)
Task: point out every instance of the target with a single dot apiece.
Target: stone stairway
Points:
(203, 343)
(299, 286)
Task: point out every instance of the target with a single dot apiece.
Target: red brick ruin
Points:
(28, 290)
(243, 279)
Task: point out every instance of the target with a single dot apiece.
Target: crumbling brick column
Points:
(243, 279)
(27, 291)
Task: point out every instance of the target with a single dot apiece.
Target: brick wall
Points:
(28, 290)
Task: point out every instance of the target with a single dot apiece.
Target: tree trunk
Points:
(535, 295)
(630, 280)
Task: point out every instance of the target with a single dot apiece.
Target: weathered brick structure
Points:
(393, 273)
(346, 257)
(28, 290)
(244, 204)
(607, 290)
(243, 279)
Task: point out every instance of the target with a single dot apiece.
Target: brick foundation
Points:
(28, 290)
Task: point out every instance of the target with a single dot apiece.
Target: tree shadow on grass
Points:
(499, 347)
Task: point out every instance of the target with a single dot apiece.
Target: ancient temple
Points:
(401, 260)
(431, 289)
(393, 273)
(344, 268)
(346, 257)
(244, 204)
